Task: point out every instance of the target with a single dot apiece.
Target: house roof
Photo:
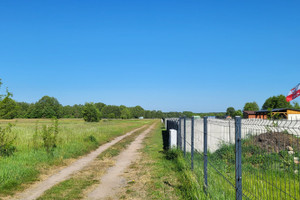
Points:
(277, 110)
(250, 112)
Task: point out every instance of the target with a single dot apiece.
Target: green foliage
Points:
(90, 113)
(125, 112)
(111, 111)
(8, 108)
(49, 135)
(91, 138)
(230, 111)
(296, 105)
(187, 113)
(251, 106)
(100, 105)
(238, 113)
(137, 111)
(7, 139)
(276, 102)
(46, 107)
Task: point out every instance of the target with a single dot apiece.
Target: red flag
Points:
(294, 93)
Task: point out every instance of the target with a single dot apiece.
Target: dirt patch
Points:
(113, 181)
(276, 142)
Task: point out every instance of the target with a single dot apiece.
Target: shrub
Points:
(7, 139)
(90, 113)
(49, 134)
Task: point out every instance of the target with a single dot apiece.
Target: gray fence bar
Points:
(205, 151)
(238, 159)
(192, 143)
(179, 134)
(184, 136)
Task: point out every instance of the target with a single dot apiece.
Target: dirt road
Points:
(112, 181)
(39, 188)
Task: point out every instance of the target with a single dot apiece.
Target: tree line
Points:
(273, 102)
(49, 107)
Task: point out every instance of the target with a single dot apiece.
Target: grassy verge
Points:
(156, 175)
(28, 162)
(78, 185)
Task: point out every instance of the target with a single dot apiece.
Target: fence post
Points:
(179, 133)
(205, 151)
(184, 136)
(192, 144)
(238, 159)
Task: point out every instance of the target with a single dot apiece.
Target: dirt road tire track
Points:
(37, 189)
(112, 181)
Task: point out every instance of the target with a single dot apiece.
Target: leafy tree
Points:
(276, 102)
(125, 112)
(251, 106)
(107, 110)
(90, 113)
(296, 105)
(46, 107)
(238, 113)
(230, 111)
(77, 111)
(99, 105)
(137, 111)
(67, 112)
(187, 113)
(23, 109)
(111, 116)
(8, 108)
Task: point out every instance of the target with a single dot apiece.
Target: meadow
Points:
(75, 138)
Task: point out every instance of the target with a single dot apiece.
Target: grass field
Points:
(75, 138)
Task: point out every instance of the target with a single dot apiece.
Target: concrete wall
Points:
(222, 131)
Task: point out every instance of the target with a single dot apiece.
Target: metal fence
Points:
(242, 158)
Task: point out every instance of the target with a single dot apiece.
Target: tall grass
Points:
(75, 138)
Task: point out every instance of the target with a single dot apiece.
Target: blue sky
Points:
(167, 55)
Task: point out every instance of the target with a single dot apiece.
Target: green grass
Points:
(266, 175)
(74, 140)
(154, 176)
(73, 188)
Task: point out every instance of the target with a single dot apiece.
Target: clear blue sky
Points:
(166, 55)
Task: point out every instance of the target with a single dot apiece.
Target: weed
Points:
(7, 139)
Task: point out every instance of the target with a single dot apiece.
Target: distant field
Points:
(75, 138)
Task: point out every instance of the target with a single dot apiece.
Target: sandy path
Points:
(112, 181)
(37, 189)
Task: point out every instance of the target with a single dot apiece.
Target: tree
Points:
(230, 111)
(276, 102)
(46, 107)
(125, 112)
(188, 113)
(23, 109)
(137, 111)
(107, 110)
(296, 105)
(251, 106)
(99, 105)
(8, 108)
(90, 113)
(238, 113)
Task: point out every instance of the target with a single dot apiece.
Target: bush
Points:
(7, 139)
(90, 113)
(49, 134)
